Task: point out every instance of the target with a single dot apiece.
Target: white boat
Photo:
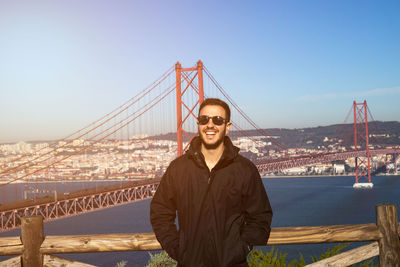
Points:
(363, 185)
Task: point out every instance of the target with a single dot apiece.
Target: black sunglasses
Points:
(204, 119)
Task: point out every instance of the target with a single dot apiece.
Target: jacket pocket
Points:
(240, 253)
(182, 246)
(236, 251)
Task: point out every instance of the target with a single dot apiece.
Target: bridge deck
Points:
(78, 203)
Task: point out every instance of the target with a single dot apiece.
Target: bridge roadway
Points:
(297, 161)
(108, 196)
(76, 203)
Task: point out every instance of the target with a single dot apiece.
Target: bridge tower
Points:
(362, 164)
(186, 79)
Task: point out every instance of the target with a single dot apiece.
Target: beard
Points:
(216, 144)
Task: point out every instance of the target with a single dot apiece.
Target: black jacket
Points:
(221, 214)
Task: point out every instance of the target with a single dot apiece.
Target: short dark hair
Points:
(217, 102)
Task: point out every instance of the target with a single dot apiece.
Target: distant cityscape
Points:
(144, 157)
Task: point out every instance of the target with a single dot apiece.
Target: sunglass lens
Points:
(217, 120)
(203, 120)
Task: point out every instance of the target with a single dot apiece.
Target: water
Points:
(295, 202)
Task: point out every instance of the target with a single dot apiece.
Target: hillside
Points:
(382, 133)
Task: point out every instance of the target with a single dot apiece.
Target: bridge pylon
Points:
(362, 164)
(186, 79)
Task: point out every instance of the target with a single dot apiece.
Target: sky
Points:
(287, 64)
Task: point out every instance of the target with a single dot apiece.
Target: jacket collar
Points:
(229, 154)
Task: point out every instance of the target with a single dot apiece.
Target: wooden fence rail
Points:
(33, 245)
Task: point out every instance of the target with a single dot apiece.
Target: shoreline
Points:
(76, 181)
(319, 176)
(307, 176)
(149, 179)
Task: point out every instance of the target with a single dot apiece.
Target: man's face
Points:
(213, 135)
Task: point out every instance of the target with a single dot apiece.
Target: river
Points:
(298, 201)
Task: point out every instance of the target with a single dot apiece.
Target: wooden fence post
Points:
(32, 238)
(389, 246)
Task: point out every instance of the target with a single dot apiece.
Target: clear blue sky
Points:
(290, 64)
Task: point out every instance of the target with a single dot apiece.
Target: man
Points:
(223, 209)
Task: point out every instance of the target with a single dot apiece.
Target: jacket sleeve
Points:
(257, 210)
(163, 213)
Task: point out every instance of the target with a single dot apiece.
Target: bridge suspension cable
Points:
(117, 111)
(122, 123)
(244, 115)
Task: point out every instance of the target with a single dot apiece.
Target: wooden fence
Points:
(33, 245)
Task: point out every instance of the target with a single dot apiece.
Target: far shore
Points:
(149, 179)
(75, 181)
(318, 175)
(307, 176)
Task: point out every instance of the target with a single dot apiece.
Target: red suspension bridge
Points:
(138, 140)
